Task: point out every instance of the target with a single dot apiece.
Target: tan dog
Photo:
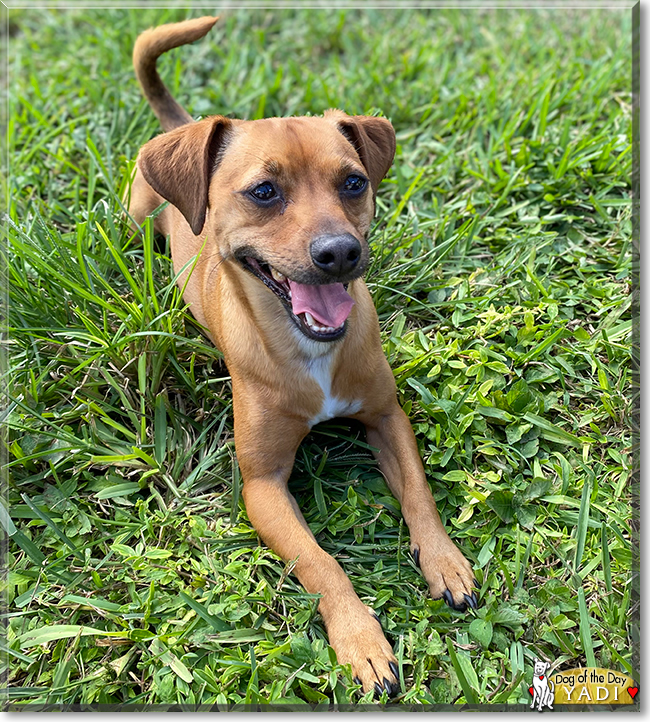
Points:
(278, 211)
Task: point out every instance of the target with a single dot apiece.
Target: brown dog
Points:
(277, 212)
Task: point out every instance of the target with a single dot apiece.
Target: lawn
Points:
(502, 275)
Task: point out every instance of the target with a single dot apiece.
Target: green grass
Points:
(501, 274)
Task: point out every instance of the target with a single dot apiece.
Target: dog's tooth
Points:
(310, 319)
(279, 277)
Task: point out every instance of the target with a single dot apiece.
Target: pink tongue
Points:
(330, 305)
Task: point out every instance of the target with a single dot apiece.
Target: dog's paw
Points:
(360, 642)
(448, 573)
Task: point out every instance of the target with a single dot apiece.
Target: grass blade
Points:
(583, 524)
(604, 545)
(585, 629)
(55, 632)
(464, 684)
(216, 623)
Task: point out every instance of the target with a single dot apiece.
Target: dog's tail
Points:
(149, 46)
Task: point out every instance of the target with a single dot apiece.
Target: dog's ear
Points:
(178, 165)
(374, 141)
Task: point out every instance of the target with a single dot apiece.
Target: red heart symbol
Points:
(632, 691)
(541, 676)
(530, 689)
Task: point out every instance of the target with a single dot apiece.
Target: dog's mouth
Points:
(319, 311)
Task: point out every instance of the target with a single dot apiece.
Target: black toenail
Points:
(377, 618)
(416, 556)
(394, 669)
(470, 600)
(460, 607)
(475, 582)
(378, 689)
(475, 598)
(446, 595)
(390, 687)
(356, 680)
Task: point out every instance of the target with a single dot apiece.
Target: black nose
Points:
(336, 255)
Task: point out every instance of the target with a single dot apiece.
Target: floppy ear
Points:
(374, 141)
(178, 165)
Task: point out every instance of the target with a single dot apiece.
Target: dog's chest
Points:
(320, 369)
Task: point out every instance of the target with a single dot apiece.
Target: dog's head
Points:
(540, 667)
(290, 199)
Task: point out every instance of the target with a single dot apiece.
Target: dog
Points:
(543, 688)
(268, 221)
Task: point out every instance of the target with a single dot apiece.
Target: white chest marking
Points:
(320, 370)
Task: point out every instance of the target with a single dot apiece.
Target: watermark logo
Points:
(584, 685)
(543, 690)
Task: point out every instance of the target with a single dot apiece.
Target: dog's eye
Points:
(264, 192)
(355, 184)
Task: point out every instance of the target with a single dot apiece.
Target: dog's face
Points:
(541, 667)
(289, 199)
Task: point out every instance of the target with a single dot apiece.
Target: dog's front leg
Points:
(266, 444)
(446, 570)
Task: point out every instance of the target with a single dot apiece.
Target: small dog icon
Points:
(543, 689)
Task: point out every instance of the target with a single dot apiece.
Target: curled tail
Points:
(149, 46)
